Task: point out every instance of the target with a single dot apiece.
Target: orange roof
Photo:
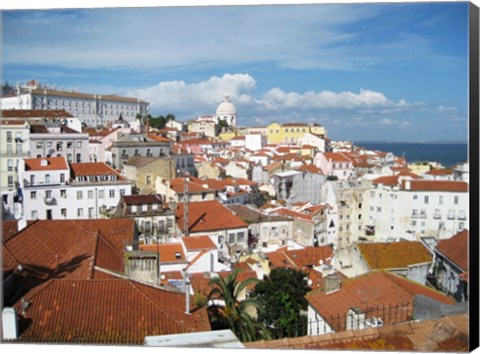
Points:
(392, 255)
(294, 214)
(11, 121)
(387, 180)
(336, 157)
(368, 292)
(456, 249)
(169, 252)
(208, 216)
(159, 138)
(440, 172)
(35, 113)
(46, 164)
(309, 168)
(93, 169)
(70, 248)
(178, 185)
(114, 311)
(195, 243)
(443, 186)
(300, 259)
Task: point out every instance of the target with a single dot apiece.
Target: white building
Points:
(92, 109)
(52, 190)
(411, 209)
(255, 141)
(54, 140)
(335, 164)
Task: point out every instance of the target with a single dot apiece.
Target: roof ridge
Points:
(134, 284)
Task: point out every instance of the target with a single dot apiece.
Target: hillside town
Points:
(119, 230)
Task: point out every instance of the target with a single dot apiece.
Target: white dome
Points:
(226, 108)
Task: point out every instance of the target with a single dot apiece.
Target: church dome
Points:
(226, 108)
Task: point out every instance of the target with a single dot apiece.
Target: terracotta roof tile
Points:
(369, 292)
(169, 252)
(46, 164)
(390, 255)
(208, 216)
(440, 172)
(429, 185)
(91, 311)
(139, 199)
(196, 243)
(456, 249)
(70, 248)
(35, 113)
(93, 169)
(336, 157)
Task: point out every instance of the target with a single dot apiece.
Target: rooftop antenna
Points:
(185, 204)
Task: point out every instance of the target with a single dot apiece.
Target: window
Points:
(69, 144)
(63, 212)
(47, 178)
(231, 238)
(79, 195)
(455, 199)
(69, 158)
(414, 222)
(101, 194)
(62, 177)
(39, 145)
(9, 149)
(9, 137)
(79, 144)
(60, 146)
(440, 199)
(426, 199)
(90, 213)
(149, 179)
(10, 165)
(33, 195)
(134, 208)
(18, 149)
(80, 212)
(48, 194)
(122, 192)
(49, 144)
(415, 197)
(144, 207)
(90, 194)
(63, 193)
(34, 214)
(111, 193)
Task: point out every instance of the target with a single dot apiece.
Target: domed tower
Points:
(227, 111)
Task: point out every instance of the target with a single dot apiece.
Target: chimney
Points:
(187, 291)
(332, 283)
(9, 324)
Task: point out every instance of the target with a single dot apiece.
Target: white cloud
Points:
(188, 100)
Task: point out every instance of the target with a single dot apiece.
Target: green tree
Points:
(223, 123)
(282, 296)
(235, 314)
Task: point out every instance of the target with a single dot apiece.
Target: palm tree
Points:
(235, 312)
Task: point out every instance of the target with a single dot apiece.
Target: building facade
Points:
(92, 109)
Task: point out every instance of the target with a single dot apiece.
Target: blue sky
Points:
(395, 71)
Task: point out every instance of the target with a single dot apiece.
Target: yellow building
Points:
(291, 133)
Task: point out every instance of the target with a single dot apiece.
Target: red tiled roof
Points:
(300, 259)
(443, 186)
(294, 214)
(208, 216)
(177, 184)
(159, 138)
(11, 121)
(196, 243)
(309, 168)
(46, 164)
(336, 157)
(9, 228)
(70, 248)
(391, 255)
(139, 199)
(105, 312)
(169, 252)
(439, 172)
(456, 249)
(35, 113)
(367, 292)
(94, 169)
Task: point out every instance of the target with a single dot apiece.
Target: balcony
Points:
(451, 216)
(50, 201)
(437, 216)
(461, 216)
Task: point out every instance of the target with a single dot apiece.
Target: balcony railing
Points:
(28, 183)
(437, 216)
(462, 217)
